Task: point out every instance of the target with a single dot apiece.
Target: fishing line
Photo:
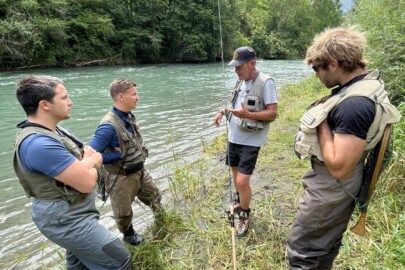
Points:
(231, 216)
(224, 86)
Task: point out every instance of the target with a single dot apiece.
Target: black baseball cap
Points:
(241, 55)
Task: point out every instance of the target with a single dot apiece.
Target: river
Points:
(175, 111)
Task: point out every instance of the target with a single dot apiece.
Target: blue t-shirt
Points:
(40, 153)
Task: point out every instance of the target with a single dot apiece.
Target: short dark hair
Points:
(32, 89)
(120, 85)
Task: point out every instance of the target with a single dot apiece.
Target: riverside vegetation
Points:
(204, 240)
(196, 234)
(62, 33)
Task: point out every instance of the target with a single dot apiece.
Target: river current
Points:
(175, 112)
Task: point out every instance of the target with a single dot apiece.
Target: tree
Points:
(384, 22)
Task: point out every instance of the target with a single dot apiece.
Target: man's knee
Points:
(298, 261)
(242, 181)
(73, 263)
(117, 251)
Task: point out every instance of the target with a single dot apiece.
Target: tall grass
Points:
(200, 237)
(195, 233)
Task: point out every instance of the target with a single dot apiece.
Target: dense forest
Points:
(55, 33)
(61, 33)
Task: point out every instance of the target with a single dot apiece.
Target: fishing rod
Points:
(231, 215)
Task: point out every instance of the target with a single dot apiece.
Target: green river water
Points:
(175, 114)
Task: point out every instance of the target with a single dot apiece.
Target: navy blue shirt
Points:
(105, 136)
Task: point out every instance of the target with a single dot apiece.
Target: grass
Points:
(195, 232)
(198, 234)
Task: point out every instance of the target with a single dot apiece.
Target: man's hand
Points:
(242, 112)
(91, 158)
(217, 119)
(268, 114)
(82, 175)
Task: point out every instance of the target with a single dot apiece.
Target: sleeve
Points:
(102, 139)
(270, 92)
(43, 154)
(353, 116)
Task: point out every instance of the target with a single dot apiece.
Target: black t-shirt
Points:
(352, 116)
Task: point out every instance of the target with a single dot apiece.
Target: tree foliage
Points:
(384, 24)
(70, 32)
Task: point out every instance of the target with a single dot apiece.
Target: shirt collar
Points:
(355, 79)
(121, 114)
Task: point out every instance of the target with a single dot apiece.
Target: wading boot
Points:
(132, 238)
(243, 224)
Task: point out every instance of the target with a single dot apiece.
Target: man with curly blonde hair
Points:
(336, 134)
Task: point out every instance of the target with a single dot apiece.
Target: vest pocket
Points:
(250, 125)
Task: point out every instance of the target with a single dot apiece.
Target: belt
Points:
(134, 169)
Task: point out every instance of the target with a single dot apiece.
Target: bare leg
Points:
(242, 185)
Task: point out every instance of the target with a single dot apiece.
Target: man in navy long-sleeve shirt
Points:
(106, 137)
(124, 153)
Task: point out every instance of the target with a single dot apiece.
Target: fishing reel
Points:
(230, 217)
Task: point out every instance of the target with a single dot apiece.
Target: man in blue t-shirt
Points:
(60, 175)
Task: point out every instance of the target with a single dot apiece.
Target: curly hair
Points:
(346, 45)
(119, 86)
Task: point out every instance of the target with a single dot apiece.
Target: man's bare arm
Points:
(341, 152)
(82, 175)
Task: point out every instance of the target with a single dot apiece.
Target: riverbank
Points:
(197, 235)
(166, 128)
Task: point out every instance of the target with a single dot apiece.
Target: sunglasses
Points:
(316, 67)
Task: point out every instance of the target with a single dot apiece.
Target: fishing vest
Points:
(306, 144)
(39, 185)
(253, 102)
(133, 150)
